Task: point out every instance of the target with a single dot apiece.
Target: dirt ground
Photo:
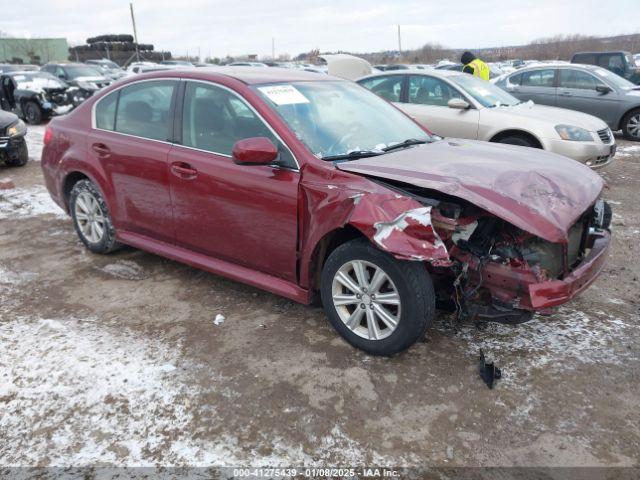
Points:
(117, 360)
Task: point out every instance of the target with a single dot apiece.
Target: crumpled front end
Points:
(503, 273)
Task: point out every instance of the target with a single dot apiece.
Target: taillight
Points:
(48, 134)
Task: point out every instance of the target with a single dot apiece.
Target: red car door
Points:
(239, 213)
(131, 143)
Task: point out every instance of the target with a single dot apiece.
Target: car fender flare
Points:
(494, 136)
(72, 166)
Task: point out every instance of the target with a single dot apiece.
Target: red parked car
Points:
(304, 184)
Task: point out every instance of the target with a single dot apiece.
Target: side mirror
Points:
(254, 151)
(458, 104)
(603, 89)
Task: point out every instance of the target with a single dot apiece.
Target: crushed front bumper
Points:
(521, 289)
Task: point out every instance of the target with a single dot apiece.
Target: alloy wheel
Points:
(633, 127)
(366, 299)
(90, 218)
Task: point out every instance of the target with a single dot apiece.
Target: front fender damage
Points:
(400, 226)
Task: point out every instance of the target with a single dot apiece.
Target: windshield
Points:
(82, 71)
(615, 80)
(337, 118)
(484, 92)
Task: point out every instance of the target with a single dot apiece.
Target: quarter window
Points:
(106, 112)
(426, 90)
(144, 110)
(538, 78)
(388, 87)
(577, 79)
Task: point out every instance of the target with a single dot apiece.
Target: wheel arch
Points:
(323, 248)
(512, 132)
(624, 115)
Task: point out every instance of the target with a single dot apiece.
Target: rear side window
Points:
(106, 112)
(387, 87)
(613, 62)
(538, 78)
(577, 79)
(144, 110)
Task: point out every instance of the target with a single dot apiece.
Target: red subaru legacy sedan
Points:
(303, 184)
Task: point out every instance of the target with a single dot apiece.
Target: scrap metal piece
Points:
(488, 371)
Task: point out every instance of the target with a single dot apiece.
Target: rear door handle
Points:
(101, 149)
(183, 170)
(565, 94)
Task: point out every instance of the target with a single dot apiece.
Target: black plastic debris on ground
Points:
(488, 371)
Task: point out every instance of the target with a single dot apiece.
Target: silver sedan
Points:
(456, 104)
(585, 88)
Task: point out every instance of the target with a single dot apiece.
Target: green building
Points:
(33, 50)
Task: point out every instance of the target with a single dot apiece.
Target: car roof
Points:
(433, 73)
(247, 75)
(584, 66)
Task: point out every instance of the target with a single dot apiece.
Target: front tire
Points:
(91, 218)
(377, 303)
(631, 125)
(32, 113)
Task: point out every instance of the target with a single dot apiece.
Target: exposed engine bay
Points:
(494, 262)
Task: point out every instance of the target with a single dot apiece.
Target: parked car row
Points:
(455, 104)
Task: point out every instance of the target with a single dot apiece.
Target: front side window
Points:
(338, 117)
(214, 119)
(426, 90)
(387, 87)
(577, 79)
(144, 110)
(538, 78)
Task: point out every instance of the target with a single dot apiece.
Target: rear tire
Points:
(366, 310)
(91, 218)
(32, 113)
(631, 125)
(519, 140)
(23, 157)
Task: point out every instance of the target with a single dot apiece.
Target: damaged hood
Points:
(537, 191)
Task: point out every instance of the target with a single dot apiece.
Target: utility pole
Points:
(135, 32)
(273, 48)
(399, 44)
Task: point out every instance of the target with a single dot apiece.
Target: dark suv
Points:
(620, 63)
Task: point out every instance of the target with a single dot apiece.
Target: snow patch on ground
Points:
(28, 202)
(77, 392)
(561, 341)
(628, 150)
(125, 269)
(9, 278)
(34, 137)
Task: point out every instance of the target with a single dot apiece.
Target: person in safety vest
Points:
(474, 66)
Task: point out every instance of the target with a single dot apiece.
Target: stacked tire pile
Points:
(120, 49)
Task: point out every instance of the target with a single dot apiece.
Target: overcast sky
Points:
(247, 26)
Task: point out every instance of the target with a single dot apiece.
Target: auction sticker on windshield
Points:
(283, 94)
